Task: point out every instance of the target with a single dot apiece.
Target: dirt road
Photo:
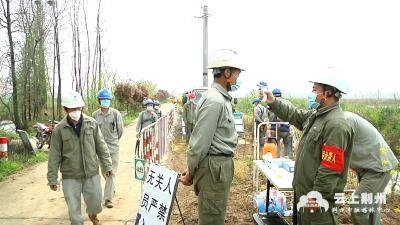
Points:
(25, 197)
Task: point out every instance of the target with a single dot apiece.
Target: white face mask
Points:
(149, 108)
(75, 115)
(156, 107)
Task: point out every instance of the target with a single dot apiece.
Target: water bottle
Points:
(268, 160)
(262, 87)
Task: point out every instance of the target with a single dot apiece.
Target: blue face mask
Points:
(312, 103)
(236, 86)
(105, 103)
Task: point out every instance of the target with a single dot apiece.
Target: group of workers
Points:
(81, 144)
(150, 115)
(332, 141)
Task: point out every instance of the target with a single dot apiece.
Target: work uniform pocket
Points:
(67, 143)
(217, 172)
(212, 203)
(89, 141)
(90, 150)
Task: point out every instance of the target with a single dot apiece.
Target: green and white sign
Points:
(140, 168)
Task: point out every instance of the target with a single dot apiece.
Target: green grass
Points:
(10, 135)
(17, 162)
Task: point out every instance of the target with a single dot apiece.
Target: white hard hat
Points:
(331, 76)
(224, 58)
(72, 99)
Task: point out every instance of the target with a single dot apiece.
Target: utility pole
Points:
(205, 46)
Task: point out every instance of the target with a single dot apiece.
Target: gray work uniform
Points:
(188, 117)
(260, 113)
(77, 159)
(210, 153)
(145, 119)
(373, 161)
(112, 128)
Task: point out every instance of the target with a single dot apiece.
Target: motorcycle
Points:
(43, 134)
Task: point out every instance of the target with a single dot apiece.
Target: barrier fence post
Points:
(3, 149)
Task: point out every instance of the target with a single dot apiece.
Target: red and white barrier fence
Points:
(153, 143)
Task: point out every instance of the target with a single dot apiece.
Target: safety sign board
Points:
(158, 196)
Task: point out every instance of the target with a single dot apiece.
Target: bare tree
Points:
(97, 56)
(32, 72)
(6, 5)
(98, 30)
(76, 46)
(25, 23)
(87, 53)
(55, 15)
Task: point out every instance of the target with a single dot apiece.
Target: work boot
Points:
(108, 204)
(94, 219)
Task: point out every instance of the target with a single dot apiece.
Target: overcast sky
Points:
(280, 42)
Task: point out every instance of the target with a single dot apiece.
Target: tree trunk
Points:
(57, 43)
(88, 60)
(99, 44)
(17, 120)
(53, 94)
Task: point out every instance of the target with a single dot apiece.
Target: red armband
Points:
(332, 158)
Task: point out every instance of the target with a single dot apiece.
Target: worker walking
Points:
(324, 148)
(157, 109)
(146, 117)
(214, 140)
(188, 115)
(76, 145)
(112, 128)
(372, 160)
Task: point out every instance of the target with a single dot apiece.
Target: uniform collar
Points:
(107, 113)
(328, 109)
(221, 90)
